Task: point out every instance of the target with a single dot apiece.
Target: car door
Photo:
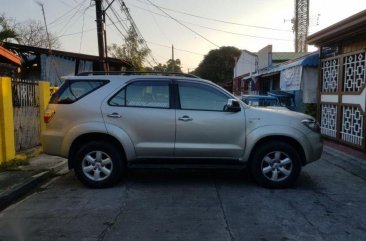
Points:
(143, 110)
(203, 128)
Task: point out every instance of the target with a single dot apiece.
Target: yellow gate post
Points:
(44, 98)
(7, 142)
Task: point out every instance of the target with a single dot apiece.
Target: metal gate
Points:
(343, 97)
(26, 114)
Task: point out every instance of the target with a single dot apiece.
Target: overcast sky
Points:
(257, 23)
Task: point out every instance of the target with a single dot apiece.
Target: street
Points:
(328, 203)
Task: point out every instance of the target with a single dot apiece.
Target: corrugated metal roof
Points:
(311, 59)
(284, 56)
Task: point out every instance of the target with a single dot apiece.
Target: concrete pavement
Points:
(16, 183)
(328, 203)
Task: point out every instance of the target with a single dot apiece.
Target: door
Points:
(203, 128)
(143, 110)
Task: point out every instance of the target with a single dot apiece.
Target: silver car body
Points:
(173, 132)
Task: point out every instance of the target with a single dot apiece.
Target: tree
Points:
(218, 65)
(6, 31)
(132, 50)
(177, 65)
(33, 33)
(166, 67)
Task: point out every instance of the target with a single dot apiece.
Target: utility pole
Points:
(173, 58)
(100, 19)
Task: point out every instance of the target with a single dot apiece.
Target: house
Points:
(297, 78)
(249, 64)
(51, 65)
(342, 80)
(9, 62)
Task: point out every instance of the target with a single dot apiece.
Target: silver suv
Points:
(106, 123)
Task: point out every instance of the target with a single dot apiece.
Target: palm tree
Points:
(6, 32)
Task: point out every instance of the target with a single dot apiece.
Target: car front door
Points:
(203, 128)
(143, 110)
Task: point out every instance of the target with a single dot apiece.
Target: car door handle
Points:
(185, 118)
(114, 115)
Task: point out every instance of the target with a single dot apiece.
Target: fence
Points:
(26, 114)
(22, 105)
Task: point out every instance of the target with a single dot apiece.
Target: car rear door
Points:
(143, 110)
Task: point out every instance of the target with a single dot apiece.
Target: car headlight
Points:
(311, 124)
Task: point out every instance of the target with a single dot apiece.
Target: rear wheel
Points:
(98, 164)
(276, 165)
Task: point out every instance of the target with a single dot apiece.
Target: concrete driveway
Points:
(328, 203)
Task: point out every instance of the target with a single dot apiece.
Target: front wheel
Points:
(276, 165)
(98, 164)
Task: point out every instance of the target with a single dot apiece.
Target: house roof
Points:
(347, 28)
(9, 56)
(284, 56)
(19, 47)
(311, 59)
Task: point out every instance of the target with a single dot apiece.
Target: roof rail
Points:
(135, 73)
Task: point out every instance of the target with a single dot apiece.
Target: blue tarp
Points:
(310, 60)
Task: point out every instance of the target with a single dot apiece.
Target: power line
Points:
(184, 24)
(118, 18)
(113, 23)
(135, 28)
(215, 29)
(82, 29)
(218, 20)
(63, 29)
(183, 50)
(68, 12)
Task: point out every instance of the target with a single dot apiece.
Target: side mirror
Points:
(232, 106)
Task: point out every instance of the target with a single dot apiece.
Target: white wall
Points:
(246, 63)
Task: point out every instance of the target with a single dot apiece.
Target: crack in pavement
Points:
(109, 225)
(227, 227)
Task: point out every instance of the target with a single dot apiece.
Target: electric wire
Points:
(215, 29)
(82, 28)
(135, 28)
(218, 20)
(113, 23)
(68, 12)
(200, 35)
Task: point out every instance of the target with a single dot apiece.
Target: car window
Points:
(143, 94)
(72, 91)
(201, 97)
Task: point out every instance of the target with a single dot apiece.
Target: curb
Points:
(11, 196)
(347, 162)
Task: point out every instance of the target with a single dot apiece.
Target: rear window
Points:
(72, 91)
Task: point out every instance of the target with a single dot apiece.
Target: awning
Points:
(311, 60)
(4, 53)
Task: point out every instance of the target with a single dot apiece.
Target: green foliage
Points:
(311, 109)
(218, 65)
(31, 32)
(166, 67)
(131, 50)
(6, 32)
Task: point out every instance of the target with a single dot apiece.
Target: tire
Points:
(275, 165)
(98, 164)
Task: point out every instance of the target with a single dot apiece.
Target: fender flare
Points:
(263, 132)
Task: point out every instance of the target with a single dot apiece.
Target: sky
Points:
(245, 24)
